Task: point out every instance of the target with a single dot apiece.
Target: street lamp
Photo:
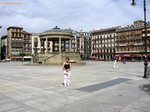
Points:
(145, 36)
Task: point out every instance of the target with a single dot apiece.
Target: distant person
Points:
(145, 57)
(124, 61)
(115, 63)
(67, 72)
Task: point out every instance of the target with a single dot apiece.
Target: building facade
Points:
(103, 43)
(73, 42)
(130, 43)
(27, 45)
(3, 47)
(85, 45)
(18, 41)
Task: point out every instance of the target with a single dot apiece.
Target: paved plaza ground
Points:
(95, 87)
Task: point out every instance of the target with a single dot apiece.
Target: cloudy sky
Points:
(39, 15)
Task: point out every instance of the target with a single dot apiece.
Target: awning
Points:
(93, 57)
(136, 55)
(126, 55)
(148, 54)
(117, 55)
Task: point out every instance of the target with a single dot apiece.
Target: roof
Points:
(14, 27)
(26, 32)
(132, 27)
(105, 30)
(57, 29)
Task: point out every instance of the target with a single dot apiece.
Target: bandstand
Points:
(54, 46)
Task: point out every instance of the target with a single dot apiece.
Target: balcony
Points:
(122, 44)
(129, 51)
(15, 53)
(16, 46)
(138, 44)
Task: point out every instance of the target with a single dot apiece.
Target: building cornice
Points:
(132, 28)
(104, 31)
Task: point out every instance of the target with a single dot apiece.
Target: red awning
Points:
(126, 55)
(117, 55)
(93, 57)
(148, 54)
(136, 55)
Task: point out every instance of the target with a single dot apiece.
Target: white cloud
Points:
(40, 15)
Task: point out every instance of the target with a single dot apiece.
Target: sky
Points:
(37, 16)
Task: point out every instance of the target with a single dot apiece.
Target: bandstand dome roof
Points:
(57, 32)
(57, 29)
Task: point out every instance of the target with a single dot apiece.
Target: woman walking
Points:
(115, 65)
(67, 72)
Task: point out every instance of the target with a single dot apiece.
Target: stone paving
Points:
(25, 88)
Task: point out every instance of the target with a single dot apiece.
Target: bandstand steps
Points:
(43, 57)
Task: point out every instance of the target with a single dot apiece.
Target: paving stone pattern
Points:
(95, 87)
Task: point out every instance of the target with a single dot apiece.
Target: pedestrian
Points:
(115, 63)
(124, 61)
(67, 72)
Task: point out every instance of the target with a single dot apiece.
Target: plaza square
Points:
(94, 87)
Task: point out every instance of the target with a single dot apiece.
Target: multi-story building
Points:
(81, 43)
(73, 42)
(14, 42)
(148, 40)
(103, 43)
(78, 35)
(130, 41)
(27, 45)
(18, 41)
(81, 46)
(85, 45)
(3, 47)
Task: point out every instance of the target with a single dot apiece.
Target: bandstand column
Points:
(64, 46)
(59, 44)
(39, 44)
(46, 45)
(33, 45)
(70, 45)
(43, 46)
(53, 47)
(50, 46)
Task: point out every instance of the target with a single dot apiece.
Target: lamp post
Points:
(145, 36)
